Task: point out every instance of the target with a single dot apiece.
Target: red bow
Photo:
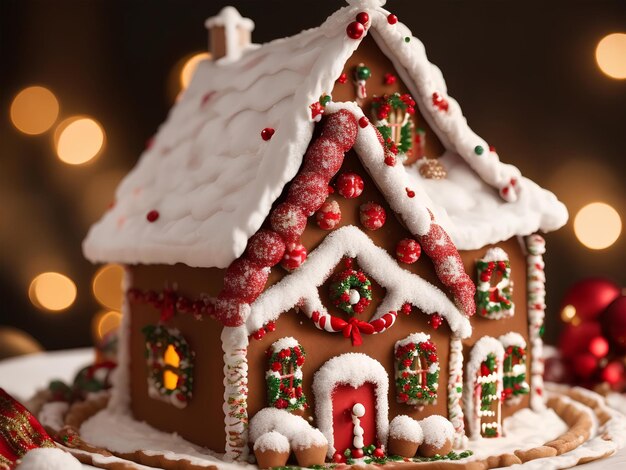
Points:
(352, 329)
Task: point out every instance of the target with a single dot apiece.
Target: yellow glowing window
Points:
(171, 357)
(172, 360)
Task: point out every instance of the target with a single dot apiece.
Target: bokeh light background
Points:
(84, 85)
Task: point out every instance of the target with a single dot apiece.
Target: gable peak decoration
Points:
(367, 3)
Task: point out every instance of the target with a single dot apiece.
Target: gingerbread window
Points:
(514, 368)
(170, 363)
(494, 290)
(417, 370)
(393, 120)
(284, 375)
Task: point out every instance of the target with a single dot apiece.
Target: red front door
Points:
(344, 397)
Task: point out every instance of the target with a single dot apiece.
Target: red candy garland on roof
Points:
(246, 277)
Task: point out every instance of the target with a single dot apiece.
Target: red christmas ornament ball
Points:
(308, 191)
(355, 30)
(266, 248)
(614, 323)
(590, 297)
(328, 216)
(613, 373)
(363, 18)
(349, 185)
(599, 347)
(324, 157)
(408, 251)
(357, 453)
(372, 215)
(575, 339)
(295, 255)
(584, 365)
(288, 220)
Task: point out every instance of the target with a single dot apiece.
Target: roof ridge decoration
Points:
(209, 180)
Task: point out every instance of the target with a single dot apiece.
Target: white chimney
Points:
(229, 34)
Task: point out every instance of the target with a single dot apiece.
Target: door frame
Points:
(354, 369)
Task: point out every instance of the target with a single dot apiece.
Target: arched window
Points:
(494, 289)
(514, 368)
(284, 376)
(417, 370)
(170, 364)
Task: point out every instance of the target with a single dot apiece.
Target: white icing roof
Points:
(213, 180)
(473, 213)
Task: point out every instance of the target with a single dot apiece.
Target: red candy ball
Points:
(590, 297)
(389, 79)
(288, 221)
(372, 215)
(341, 127)
(349, 185)
(584, 365)
(265, 248)
(324, 157)
(357, 453)
(308, 191)
(364, 122)
(355, 30)
(244, 280)
(328, 216)
(614, 322)
(392, 19)
(408, 251)
(295, 255)
(363, 18)
(267, 133)
(152, 216)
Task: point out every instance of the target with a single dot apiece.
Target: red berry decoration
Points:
(259, 334)
(328, 216)
(244, 280)
(435, 320)
(590, 297)
(295, 255)
(343, 78)
(372, 215)
(342, 128)
(408, 251)
(363, 122)
(357, 453)
(152, 216)
(308, 191)
(288, 221)
(355, 30)
(349, 185)
(440, 102)
(325, 157)
(265, 248)
(338, 457)
(379, 453)
(392, 19)
(410, 193)
(390, 160)
(267, 133)
(614, 323)
(389, 79)
(363, 18)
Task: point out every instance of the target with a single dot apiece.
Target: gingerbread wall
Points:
(202, 420)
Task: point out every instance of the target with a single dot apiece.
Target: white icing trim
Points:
(455, 391)
(232, 22)
(415, 338)
(235, 347)
(300, 287)
(354, 369)
(284, 343)
(120, 378)
(481, 349)
(512, 339)
(536, 301)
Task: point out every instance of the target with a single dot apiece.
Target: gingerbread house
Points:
(308, 199)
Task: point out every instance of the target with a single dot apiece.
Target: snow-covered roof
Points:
(212, 179)
(473, 213)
